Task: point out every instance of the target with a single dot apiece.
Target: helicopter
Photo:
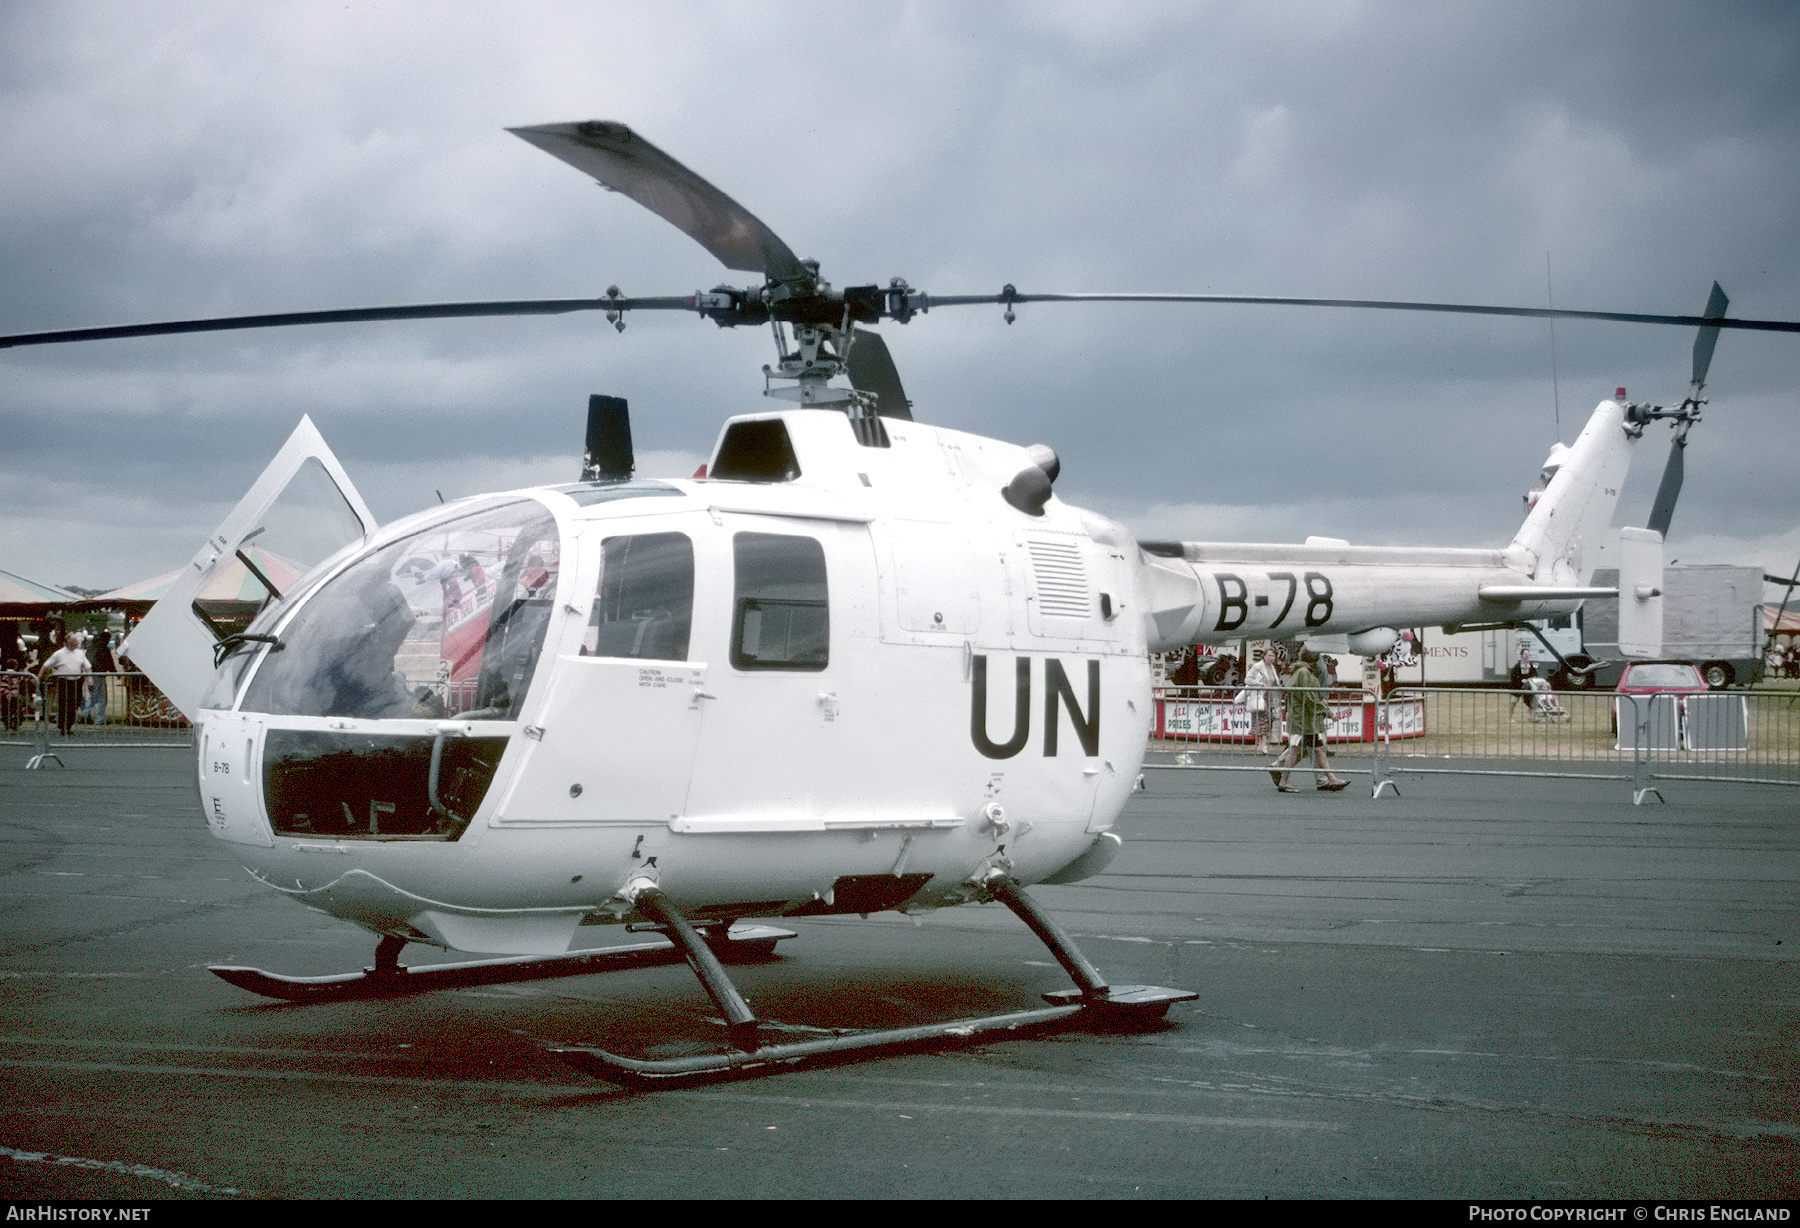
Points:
(857, 663)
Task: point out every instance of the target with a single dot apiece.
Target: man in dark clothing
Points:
(1517, 681)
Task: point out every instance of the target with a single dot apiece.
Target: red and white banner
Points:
(1221, 720)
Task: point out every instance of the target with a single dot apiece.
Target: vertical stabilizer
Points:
(1640, 593)
(1569, 521)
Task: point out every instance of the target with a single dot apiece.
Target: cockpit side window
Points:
(645, 606)
(446, 621)
(781, 618)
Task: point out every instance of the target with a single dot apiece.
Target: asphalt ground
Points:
(1484, 988)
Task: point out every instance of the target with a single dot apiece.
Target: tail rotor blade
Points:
(1664, 508)
(871, 369)
(1708, 336)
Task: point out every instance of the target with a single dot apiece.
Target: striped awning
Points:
(21, 597)
(231, 583)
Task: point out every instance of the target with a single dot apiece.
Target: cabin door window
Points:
(781, 619)
(645, 604)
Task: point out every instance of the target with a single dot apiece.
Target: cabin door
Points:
(301, 511)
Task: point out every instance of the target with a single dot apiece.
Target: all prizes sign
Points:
(1354, 719)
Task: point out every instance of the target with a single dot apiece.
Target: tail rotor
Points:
(1688, 413)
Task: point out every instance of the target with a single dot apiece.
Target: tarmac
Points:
(1484, 988)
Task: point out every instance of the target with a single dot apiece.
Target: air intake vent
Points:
(1059, 578)
(756, 451)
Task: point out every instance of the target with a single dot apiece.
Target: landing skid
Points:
(389, 978)
(1093, 1001)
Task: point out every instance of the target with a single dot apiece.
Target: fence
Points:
(1743, 736)
(54, 714)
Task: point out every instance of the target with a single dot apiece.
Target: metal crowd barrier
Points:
(1748, 737)
(20, 702)
(1736, 736)
(96, 711)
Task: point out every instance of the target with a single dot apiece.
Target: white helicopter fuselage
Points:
(832, 677)
(981, 700)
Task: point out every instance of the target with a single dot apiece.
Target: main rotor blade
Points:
(1663, 510)
(625, 162)
(871, 369)
(1476, 309)
(1709, 325)
(1708, 336)
(356, 315)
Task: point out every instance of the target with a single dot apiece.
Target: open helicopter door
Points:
(302, 510)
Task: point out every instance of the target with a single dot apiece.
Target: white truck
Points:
(1485, 657)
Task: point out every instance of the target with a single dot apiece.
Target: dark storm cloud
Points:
(192, 160)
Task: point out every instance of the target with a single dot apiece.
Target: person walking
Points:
(1262, 686)
(1517, 682)
(1307, 716)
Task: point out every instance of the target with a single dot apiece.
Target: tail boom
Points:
(1217, 592)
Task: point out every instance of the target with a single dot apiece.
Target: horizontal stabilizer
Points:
(1543, 592)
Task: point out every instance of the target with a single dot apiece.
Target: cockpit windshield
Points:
(445, 622)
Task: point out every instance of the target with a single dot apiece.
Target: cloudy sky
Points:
(177, 160)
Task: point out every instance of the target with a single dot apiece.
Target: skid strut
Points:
(1092, 997)
(740, 1021)
(389, 977)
